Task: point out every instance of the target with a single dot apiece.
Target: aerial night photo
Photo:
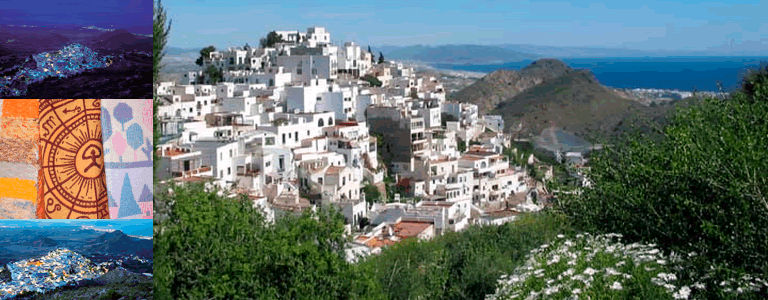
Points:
(71, 49)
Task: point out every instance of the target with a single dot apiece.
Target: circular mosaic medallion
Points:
(73, 184)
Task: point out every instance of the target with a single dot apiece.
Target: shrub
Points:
(461, 265)
(213, 247)
(702, 188)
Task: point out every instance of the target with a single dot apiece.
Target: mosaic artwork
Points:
(19, 162)
(127, 133)
(72, 178)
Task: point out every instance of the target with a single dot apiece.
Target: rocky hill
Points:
(118, 242)
(500, 85)
(548, 94)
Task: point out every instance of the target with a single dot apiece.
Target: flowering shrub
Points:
(600, 266)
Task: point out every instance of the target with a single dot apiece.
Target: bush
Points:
(213, 247)
(702, 188)
(461, 265)
(372, 80)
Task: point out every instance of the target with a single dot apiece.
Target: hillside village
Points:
(295, 126)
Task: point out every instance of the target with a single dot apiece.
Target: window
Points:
(221, 156)
(298, 71)
(320, 123)
(314, 71)
(283, 138)
(221, 173)
(229, 171)
(330, 121)
(230, 152)
(307, 133)
(320, 180)
(190, 109)
(343, 180)
(269, 163)
(270, 141)
(296, 136)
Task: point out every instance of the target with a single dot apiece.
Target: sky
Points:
(133, 15)
(128, 226)
(642, 25)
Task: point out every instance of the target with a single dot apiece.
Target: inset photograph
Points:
(101, 49)
(76, 259)
(94, 160)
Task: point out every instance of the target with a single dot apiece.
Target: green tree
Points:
(381, 58)
(205, 53)
(271, 39)
(372, 194)
(161, 27)
(369, 49)
(213, 75)
(372, 80)
(215, 247)
(461, 145)
(702, 188)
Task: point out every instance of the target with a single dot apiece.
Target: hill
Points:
(549, 95)
(122, 39)
(42, 241)
(575, 102)
(500, 85)
(118, 242)
(457, 54)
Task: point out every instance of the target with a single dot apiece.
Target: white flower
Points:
(616, 286)
(576, 291)
(699, 286)
(578, 236)
(560, 236)
(590, 271)
(653, 251)
(568, 243)
(551, 290)
(621, 263)
(554, 260)
(568, 272)
(571, 262)
(661, 261)
(683, 293)
(544, 246)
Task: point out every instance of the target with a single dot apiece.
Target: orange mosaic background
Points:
(72, 177)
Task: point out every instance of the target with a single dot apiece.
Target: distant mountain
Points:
(58, 39)
(42, 241)
(456, 54)
(118, 242)
(499, 85)
(180, 51)
(122, 39)
(548, 99)
(746, 48)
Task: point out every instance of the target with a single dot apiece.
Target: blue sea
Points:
(681, 73)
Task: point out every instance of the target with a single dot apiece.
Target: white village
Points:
(304, 123)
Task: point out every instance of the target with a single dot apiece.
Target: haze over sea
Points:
(681, 73)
